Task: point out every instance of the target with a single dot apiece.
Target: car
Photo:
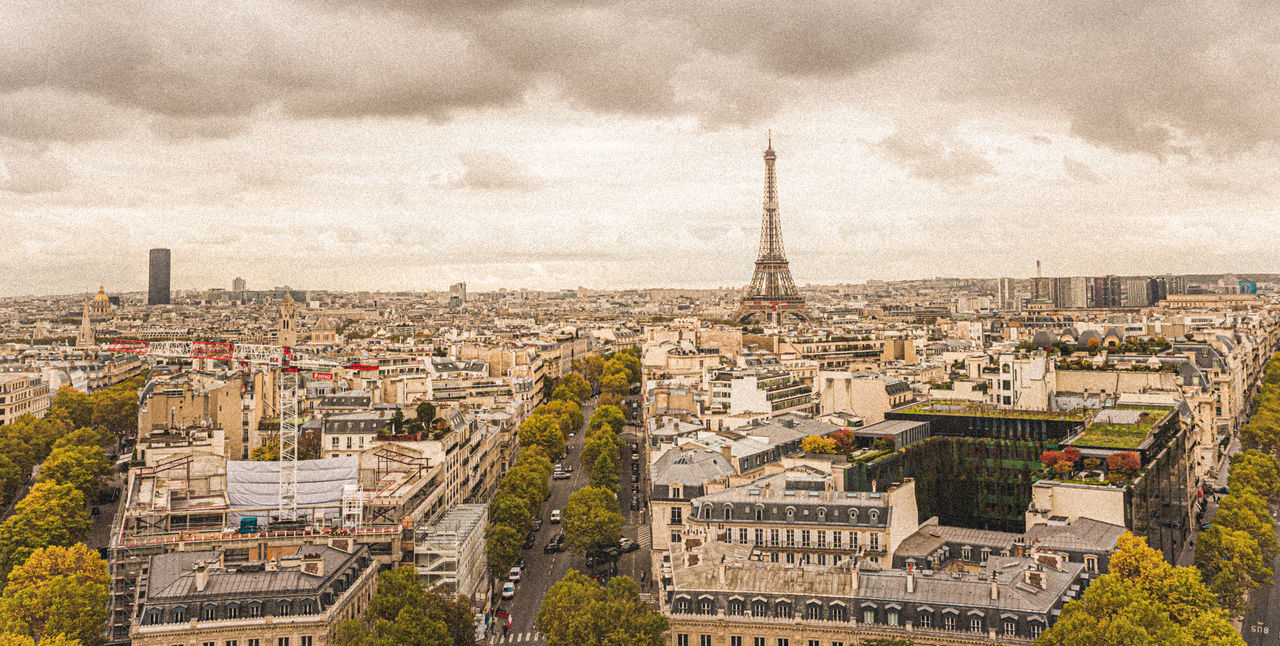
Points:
(635, 504)
(555, 516)
(572, 434)
(568, 468)
(520, 563)
(528, 541)
(537, 524)
(1222, 490)
(514, 574)
(556, 544)
(1204, 526)
(635, 488)
(628, 545)
(560, 475)
(508, 590)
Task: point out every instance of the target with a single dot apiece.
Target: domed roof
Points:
(101, 296)
(1043, 338)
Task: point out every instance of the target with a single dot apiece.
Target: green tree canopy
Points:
(75, 405)
(58, 590)
(502, 545)
(1233, 566)
(116, 409)
(543, 431)
(1142, 600)
(604, 471)
(527, 482)
(578, 611)
(591, 519)
(610, 416)
(576, 384)
(405, 612)
(1256, 471)
(50, 514)
(1247, 511)
(615, 384)
(83, 467)
(426, 413)
(511, 510)
(566, 410)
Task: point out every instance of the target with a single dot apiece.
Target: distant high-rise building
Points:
(1071, 292)
(458, 293)
(1005, 298)
(238, 285)
(1157, 290)
(1176, 284)
(1137, 292)
(158, 278)
(1107, 292)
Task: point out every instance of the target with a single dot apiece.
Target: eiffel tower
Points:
(772, 295)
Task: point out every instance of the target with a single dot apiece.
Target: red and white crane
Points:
(273, 356)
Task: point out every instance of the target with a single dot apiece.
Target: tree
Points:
(1233, 566)
(610, 399)
(1050, 458)
(543, 431)
(404, 612)
(83, 436)
(502, 545)
(10, 639)
(397, 421)
(569, 412)
(591, 367)
(1124, 462)
(610, 416)
(58, 590)
(1143, 600)
(846, 440)
(535, 457)
(426, 413)
(1255, 471)
(597, 444)
(528, 483)
(116, 409)
(75, 405)
(565, 394)
(816, 444)
(615, 384)
(577, 385)
(578, 611)
(604, 471)
(511, 510)
(591, 519)
(83, 467)
(50, 514)
(268, 451)
(1072, 454)
(1246, 511)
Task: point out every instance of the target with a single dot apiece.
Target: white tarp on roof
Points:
(253, 484)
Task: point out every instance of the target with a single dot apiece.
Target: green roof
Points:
(1122, 436)
(968, 408)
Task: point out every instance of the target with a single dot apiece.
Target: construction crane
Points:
(273, 356)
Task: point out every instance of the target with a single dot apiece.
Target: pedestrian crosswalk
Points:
(526, 637)
(644, 535)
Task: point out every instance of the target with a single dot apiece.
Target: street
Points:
(542, 569)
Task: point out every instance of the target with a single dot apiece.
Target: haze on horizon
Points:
(398, 144)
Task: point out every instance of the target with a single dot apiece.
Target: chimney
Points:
(202, 576)
(855, 575)
(1019, 547)
(720, 571)
(911, 582)
(995, 589)
(313, 564)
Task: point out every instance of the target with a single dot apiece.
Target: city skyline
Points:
(379, 146)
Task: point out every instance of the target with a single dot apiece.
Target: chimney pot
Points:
(995, 590)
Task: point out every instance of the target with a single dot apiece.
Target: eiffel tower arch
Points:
(772, 295)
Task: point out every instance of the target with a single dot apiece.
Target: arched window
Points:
(1091, 563)
(284, 608)
(874, 515)
(926, 620)
(179, 614)
(1010, 628)
(728, 512)
(706, 512)
(813, 610)
(853, 516)
(759, 512)
(782, 610)
(209, 612)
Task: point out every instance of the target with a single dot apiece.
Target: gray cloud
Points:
(489, 171)
(29, 169)
(943, 158)
(1080, 171)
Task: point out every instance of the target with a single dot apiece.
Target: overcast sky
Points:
(408, 144)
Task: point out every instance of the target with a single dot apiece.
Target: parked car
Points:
(528, 541)
(555, 516)
(508, 590)
(537, 524)
(628, 545)
(568, 468)
(514, 574)
(559, 475)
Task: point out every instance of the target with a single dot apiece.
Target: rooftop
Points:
(1115, 428)
(976, 409)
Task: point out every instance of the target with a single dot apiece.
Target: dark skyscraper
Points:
(158, 280)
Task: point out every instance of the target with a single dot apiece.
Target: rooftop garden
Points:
(965, 408)
(1109, 435)
(1087, 364)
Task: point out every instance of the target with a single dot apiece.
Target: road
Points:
(542, 569)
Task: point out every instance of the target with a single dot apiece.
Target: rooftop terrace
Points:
(976, 409)
(1122, 428)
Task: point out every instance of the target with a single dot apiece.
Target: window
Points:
(759, 534)
(759, 608)
(822, 538)
(757, 641)
(233, 612)
(675, 536)
(179, 615)
(677, 516)
(305, 640)
(813, 611)
(706, 606)
(853, 539)
(791, 558)
(804, 537)
(949, 622)
(255, 642)
(232, 642)
(283, 609)
(759, 513)
(837, 613)
(735, 640)
(335, 442)
(706, 512)
(1036, 629)
(874, 515)
(868, 615)
(814, 642)
(782, 610)
(255, 610)
(791, 538)
(681, 606)
(675, 492)
(975, 624)
(736, 606)
(207, 644)
(783, 641)
(742, 535)
(875, 542)
(891, 617)
(773, 537)
(1010, 628)
(282, 641)
(704, 640)
(822, 513)
(728, 512)
(791, 513)
(209, 613)
(926, 620)
(837, 540)
(966, 553)
(1091, 563)
(348, 446)
(822, 559)
(682, 640)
